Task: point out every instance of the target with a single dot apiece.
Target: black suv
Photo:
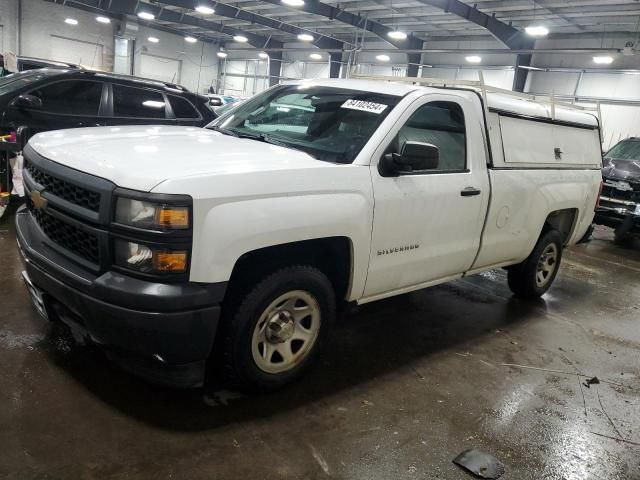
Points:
(53, 99)
(620, 200)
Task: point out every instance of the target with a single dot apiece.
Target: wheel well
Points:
(331, 255)
(562, 221)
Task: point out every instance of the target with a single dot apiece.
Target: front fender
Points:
(226, 231)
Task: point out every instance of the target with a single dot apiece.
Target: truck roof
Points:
(501, 102)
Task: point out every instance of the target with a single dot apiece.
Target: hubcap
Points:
(286, 332)
(547, 264)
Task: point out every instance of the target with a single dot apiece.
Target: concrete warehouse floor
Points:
(406, 385)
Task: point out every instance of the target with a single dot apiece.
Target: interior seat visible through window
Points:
(440, 124)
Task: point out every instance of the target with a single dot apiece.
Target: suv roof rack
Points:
(132, 78)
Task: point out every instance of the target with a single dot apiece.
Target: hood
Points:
(628, 170)
(141, 157)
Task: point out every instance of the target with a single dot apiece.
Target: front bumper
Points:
(163, 332)
(618, 214)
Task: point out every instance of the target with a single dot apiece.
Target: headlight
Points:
(145, 259)
(151, 215)
(637, 210)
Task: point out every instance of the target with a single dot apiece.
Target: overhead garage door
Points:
(160, 68)
(70, 50)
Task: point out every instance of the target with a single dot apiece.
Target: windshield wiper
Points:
(224, 131)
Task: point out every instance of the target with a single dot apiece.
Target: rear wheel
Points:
(533, 277)
(278, 329)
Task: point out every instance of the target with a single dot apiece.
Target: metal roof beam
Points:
(223, 10)
(325, 10)
(508, 35)
(126, 7)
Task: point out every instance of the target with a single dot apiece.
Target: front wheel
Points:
(533, 277)
(278, 329)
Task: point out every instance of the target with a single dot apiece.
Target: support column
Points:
(335, 59)
(275, 67)
(520, 75)
(414, 64)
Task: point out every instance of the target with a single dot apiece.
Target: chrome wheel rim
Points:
(286, 332)
(547, 264)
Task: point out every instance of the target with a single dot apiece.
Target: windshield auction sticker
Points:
(364, 106)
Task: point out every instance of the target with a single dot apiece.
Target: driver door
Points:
(428, 223)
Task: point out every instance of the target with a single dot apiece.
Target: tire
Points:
(531, 278)
(621, 236)
(278, 329)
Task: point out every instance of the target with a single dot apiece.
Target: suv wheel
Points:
(278, 329)
(533, 277)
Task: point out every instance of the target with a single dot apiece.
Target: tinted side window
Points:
(440, 124)
(182, 108)
(137, 102)
(73, 97)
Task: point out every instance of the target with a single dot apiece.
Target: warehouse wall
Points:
(44, 34)
(584, 79)
(193, 65)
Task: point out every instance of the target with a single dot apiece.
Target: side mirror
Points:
(413, 156)
(27, 101)
(215, 102)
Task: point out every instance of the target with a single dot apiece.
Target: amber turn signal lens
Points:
(170, 261)
(173, 217)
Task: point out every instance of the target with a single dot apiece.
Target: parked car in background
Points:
(216, 100)
(232, 247)
(619, 206)
(54, 99)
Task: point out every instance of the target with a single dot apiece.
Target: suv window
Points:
(442, 125)
(137, 102)
(70, 97)
(182, 108)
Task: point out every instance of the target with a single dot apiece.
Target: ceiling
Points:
(430, 23)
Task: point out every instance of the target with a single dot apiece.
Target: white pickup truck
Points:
(182, 250)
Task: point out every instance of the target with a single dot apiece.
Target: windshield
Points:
(22, 79)
(331, 124)
(625, 150)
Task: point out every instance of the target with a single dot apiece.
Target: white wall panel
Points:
(44, 34)
(606, 85)
(88, 54)
(160, 68)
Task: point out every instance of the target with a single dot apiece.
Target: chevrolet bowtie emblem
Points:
(38, 202)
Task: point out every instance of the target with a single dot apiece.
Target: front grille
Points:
(612, 192)
(80, 196)
(74, 239)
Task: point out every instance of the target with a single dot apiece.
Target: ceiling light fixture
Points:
(221, 54)
(204, 10)
(240, 38)
(293, 3)
(397, 35)
(305, 37)
(315, 56)
(603, 60)
(190, 39)
(263, 55)
(153, 39)
(71, 21)
(146, 15)
(473, 59)
(103, 19)
(383, 58)
(537, 31)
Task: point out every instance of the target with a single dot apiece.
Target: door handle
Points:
(470, 192)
